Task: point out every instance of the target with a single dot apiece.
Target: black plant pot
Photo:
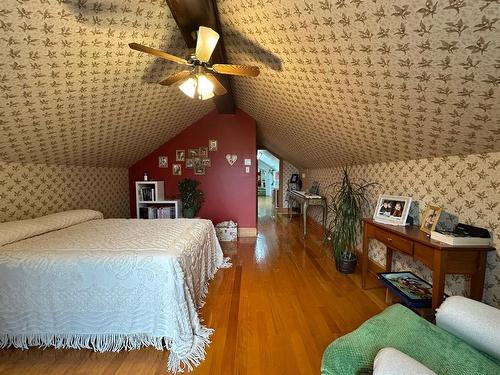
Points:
(346, 265)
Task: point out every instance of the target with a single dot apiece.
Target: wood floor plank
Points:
(274, 312)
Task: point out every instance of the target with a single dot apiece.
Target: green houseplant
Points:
(192, 197)
(346, 211)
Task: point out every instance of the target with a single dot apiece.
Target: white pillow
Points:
(390, 361)
(474, 322)
(14, 231)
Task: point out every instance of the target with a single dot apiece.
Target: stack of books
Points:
(147, 194)
(463, 235)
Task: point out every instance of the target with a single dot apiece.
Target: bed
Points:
(76, 280)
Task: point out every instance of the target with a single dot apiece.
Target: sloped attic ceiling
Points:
(72, 92)
(369, 81)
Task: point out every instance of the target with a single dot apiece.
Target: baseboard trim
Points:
(247, 232)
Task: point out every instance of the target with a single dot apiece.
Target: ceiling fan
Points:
(197, 81)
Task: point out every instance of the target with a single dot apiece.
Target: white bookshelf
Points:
(158, 198)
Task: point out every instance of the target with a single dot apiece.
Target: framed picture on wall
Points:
(206, 162)
(176, 169)
(197, 162)
(199, 171)
(392, 209)
(203, 152)
(189, 163)
(430, 218)
(193, 153)
(163, 161)
(180, 155)
(212, 145)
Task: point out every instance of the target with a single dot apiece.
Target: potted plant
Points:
(192, 197)
(346, 211)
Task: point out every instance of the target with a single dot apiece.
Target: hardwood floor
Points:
(274, 312)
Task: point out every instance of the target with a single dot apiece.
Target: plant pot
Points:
(188, 212)
(346, 265)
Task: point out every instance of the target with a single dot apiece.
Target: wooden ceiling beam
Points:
(189, 16)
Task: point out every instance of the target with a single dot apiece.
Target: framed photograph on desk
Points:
(392, 209)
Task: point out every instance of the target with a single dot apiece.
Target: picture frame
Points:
(199, 171)
(189, 163)
(212, 145)
(203, 153)
(197, 162)
(206, 162)
(430, 218)
(193, 153)
(177, 169)
(163, 162)
(392, 209)
(180, 155)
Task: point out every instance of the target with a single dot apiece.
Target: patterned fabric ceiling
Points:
(360, 81)
(72, 92)
(369, 80)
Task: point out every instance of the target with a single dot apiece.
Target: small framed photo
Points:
(203, 152)
(193, 153)
(176, 169)
(392, 209)
(197, 162)
(163, 161)
(212, 145)
(206, 162)
(189, 163)
(430, 218)
(180, 155)
(199, 171)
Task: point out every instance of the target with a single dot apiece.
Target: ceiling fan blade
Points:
(236, 70)
(176, 77)
(218, 88)
(206, 42)
(157, 52)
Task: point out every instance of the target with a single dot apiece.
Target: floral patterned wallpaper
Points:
(288, 170)
(467, 187)
(32, 190)
(73, 92)
(365, 81)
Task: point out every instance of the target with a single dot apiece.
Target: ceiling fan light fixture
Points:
(199, 87)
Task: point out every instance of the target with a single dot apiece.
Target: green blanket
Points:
(400, 328)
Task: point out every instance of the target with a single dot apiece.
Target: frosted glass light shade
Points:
(205, 45)
(188, 87)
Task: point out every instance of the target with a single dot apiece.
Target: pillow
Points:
(474, 322)
(390, 361)
(14, 231)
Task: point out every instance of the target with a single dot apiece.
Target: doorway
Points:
(268, 184)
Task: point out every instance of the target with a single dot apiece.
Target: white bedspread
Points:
(110, 285)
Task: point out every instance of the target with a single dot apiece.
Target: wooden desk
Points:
(441, 258)
(306, 201)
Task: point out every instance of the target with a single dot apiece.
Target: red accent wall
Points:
(230, 193)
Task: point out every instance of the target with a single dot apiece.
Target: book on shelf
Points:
(157, 212)
(147, 194)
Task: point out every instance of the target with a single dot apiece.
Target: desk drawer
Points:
(394, 241)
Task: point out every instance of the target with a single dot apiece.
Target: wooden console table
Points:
(441, 258)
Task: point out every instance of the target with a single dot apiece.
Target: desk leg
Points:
(364, 263)
(388, 259)
(477, 280)
(304, 214)
(324, 222)
(438, 278)
(290, 209)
